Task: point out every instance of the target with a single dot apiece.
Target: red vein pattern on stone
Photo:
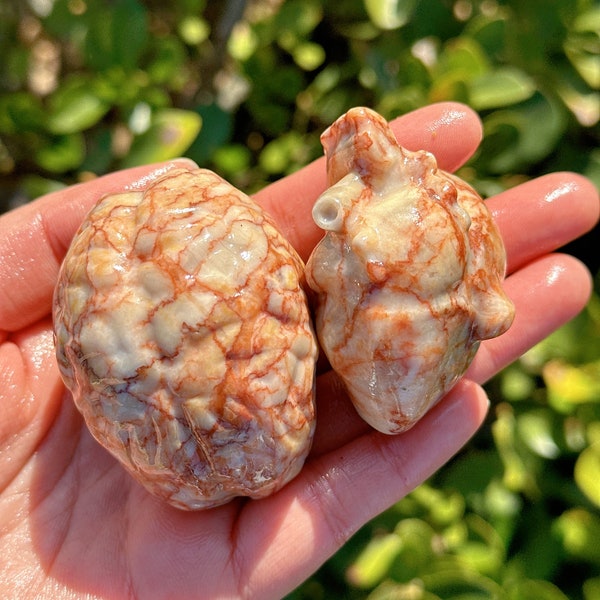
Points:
(408, 276)
(183, 333)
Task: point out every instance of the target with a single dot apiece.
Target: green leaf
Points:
(169, 60)
(117, 36)
(62, 153)
(587, 473)
(217, 128)
(536, 430)
(489, 32)
(533, 554)
(457, 584)
(566, 344)
(390, 14)
(521, 135)
(298, 16)
(464, 58)
(99, 155)
(484, 550)
(417, 550)
(585, 63)
(444, 507)
(500, 502)
(390, 590)
(530, 589)
(20, 112)
(36, 186)
(374, 561)
(308, 55)
(499, 88)
(232, 159)
(75, 106)
(169, 136)
(480, 557)
(571, 384)
(585, 105)
(193, 30)
(516, 384)
(281, 155)
(582, 46)
(517, 476)
(579, 531)
(242, 42)
(588, 21)
(591, 588)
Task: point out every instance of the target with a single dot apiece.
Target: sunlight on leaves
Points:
(536, 430)
(390, 14)
(579, 531)
(591, 588)
(89, 86)
(500, 88)
(571, 384)
(75, 106)
(374, 561)
(587, 473)
(63, 153)
(171, 133)
(456, 584)
(529, 589)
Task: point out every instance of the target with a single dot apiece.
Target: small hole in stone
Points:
(329, 211)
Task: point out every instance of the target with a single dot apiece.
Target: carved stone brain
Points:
(183, 332)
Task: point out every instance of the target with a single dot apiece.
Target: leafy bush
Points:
(90, 86)
(515, 514)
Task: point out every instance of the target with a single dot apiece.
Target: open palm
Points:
(74, 524)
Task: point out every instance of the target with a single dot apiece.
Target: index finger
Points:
(35, 237)
(449, 130)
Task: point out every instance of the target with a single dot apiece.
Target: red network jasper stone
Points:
(183, 333)
(408, 276)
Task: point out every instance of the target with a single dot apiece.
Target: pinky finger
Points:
(547, 293)
(341, 490)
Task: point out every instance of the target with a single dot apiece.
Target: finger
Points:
(547, 293)
(337, 420)
(544, 214)
(340, 491)
(34, 239)
(45, 228)
(28, 372)
(450, 130)
(535, 218)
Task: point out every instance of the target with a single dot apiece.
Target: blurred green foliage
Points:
(245, 88)
(516, 515)
(89, 86)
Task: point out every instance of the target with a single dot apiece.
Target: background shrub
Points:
(245, 88)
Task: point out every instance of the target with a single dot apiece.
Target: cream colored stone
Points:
(408, 275)
(168, 338)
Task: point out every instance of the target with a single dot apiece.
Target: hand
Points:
(74, 524)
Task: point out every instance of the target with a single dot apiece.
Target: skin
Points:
(73, 524)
